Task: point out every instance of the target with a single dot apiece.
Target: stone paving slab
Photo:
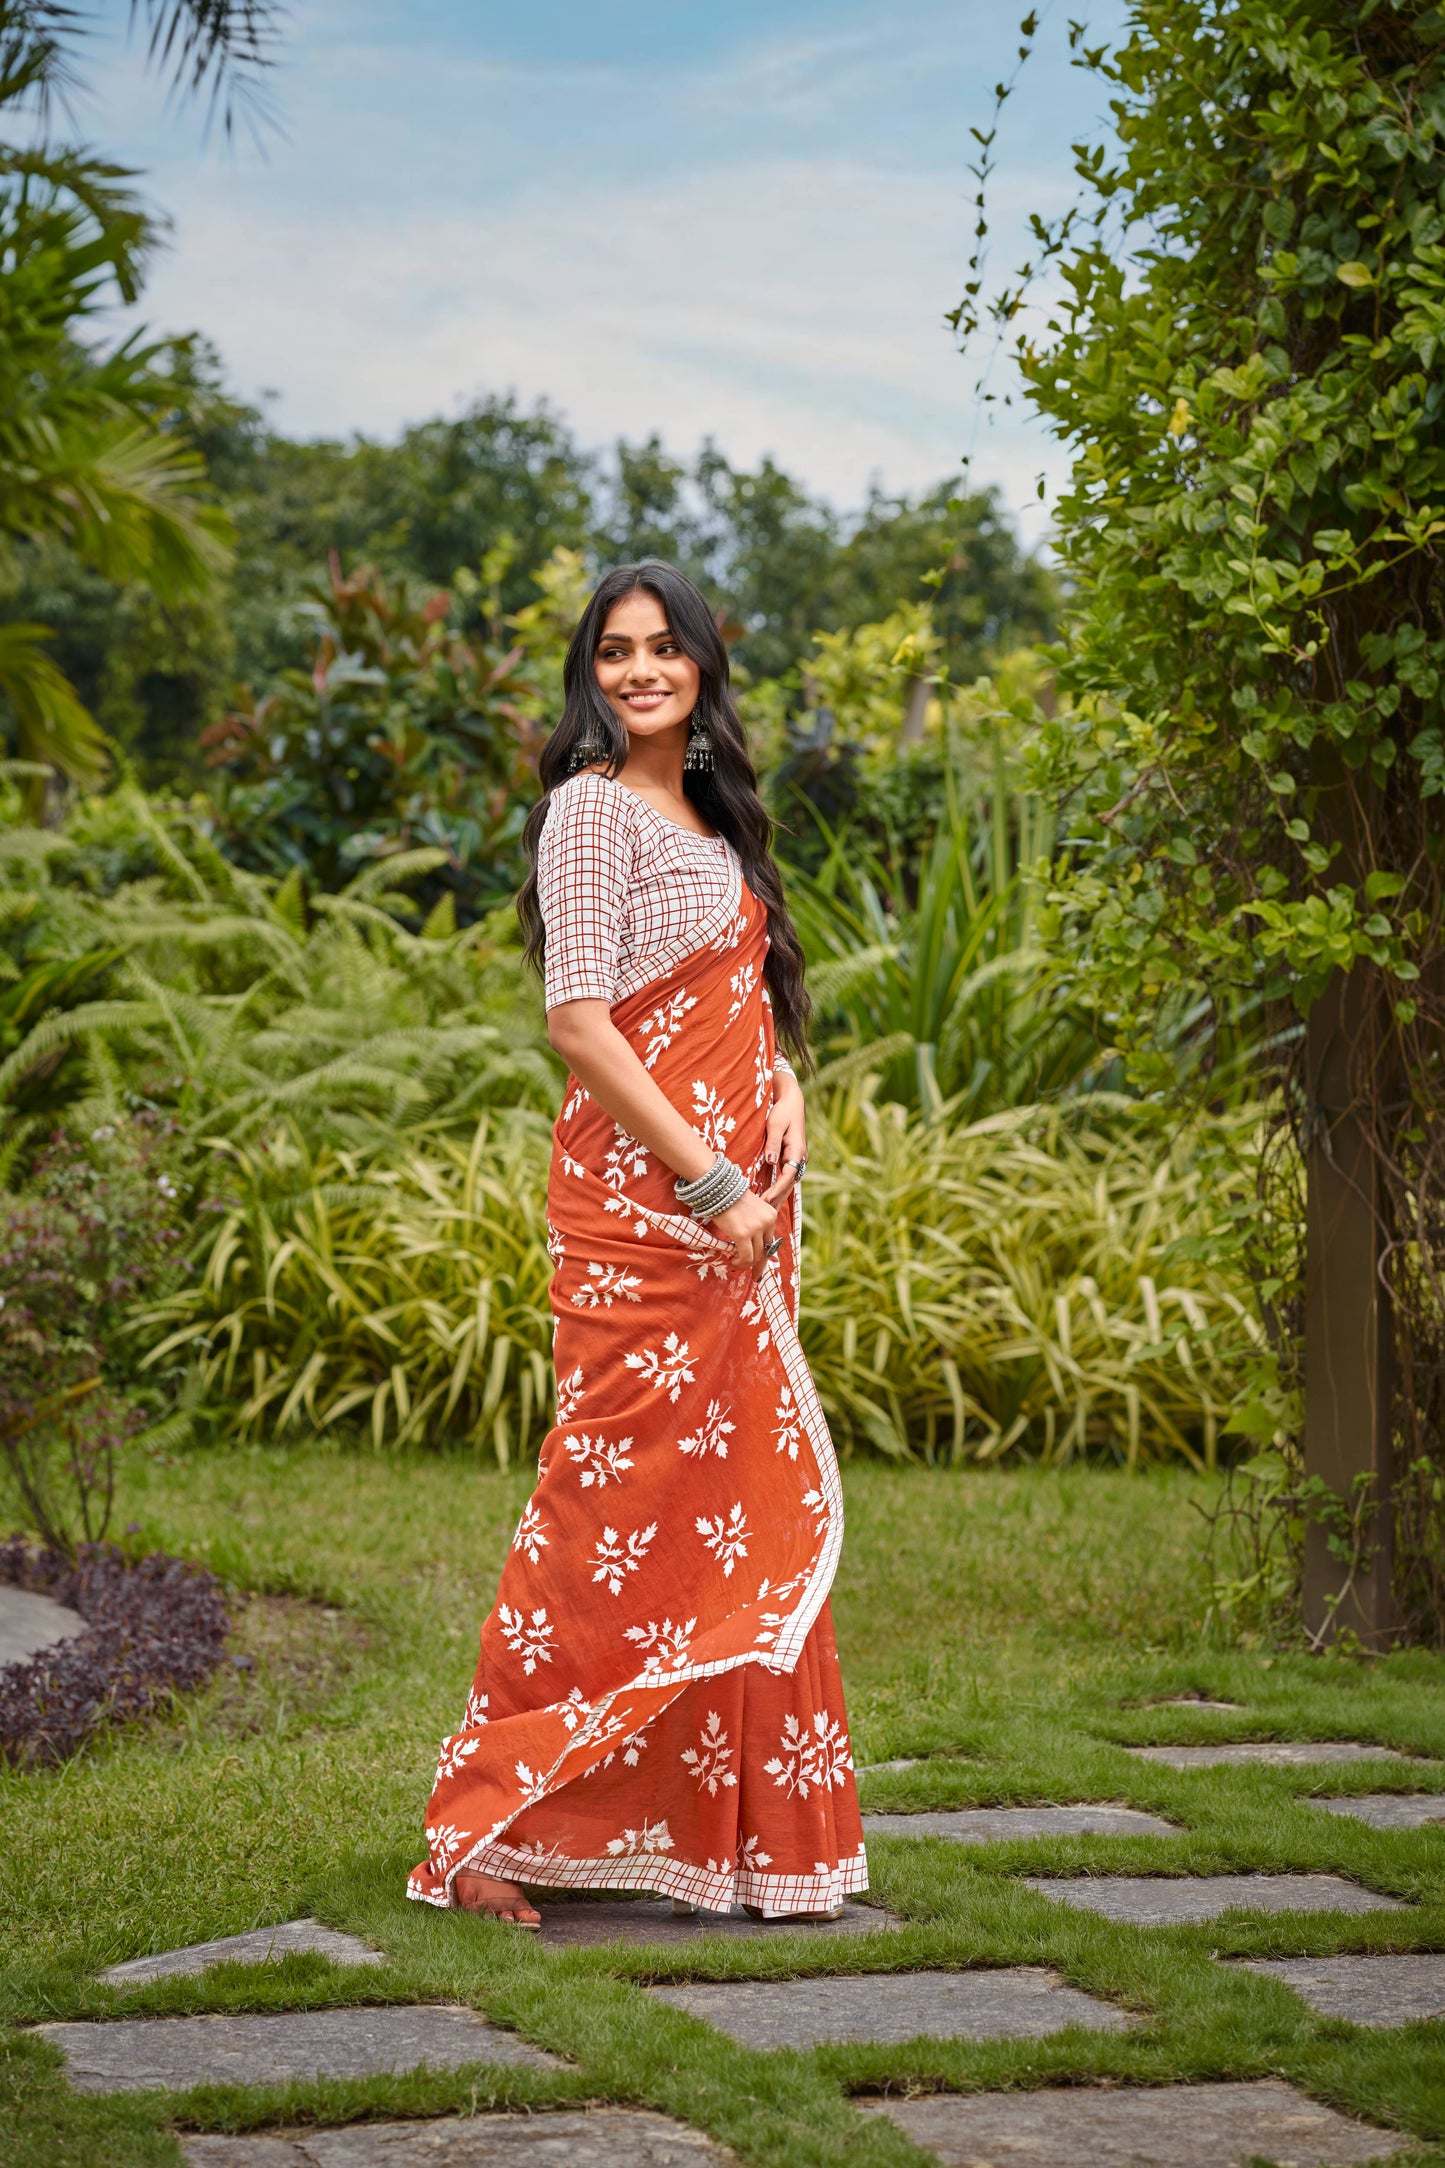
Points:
(264, 1945)
(1388, 1810)
(1166, 2126)
(1278, 1753)
(1376, 1991)
(596, 2138)
(30, 1622)
(1195, 1701)
(127, 2055)
(985, 1825)
(1153, 1900)
(651, 1919)
(1016, 2002)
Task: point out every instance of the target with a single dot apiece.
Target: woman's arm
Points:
(612, 1073)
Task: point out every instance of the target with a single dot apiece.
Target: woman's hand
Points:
(748, 1224)
(787, 1137)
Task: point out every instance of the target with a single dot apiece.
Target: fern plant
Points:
(233, 1002)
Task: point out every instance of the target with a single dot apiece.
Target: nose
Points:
(643, 667)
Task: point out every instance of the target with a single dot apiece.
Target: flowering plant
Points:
(89, 1235)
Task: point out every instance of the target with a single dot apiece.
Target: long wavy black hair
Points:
(726, 794)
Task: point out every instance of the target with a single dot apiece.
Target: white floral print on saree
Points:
(658, 1704)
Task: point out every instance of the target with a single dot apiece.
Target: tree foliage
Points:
(86, 458)
(219, 47)
(400, 734)
(1245, 361)
(784, 565)
(446, 494)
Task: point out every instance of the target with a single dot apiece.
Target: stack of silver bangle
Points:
(718, 1190)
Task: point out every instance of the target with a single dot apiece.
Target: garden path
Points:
(875, 1994)
(289, 1785)
(30, 1622)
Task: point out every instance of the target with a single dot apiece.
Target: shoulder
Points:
(589, 821)
(589, 801)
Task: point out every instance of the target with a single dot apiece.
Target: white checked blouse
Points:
(625, 893)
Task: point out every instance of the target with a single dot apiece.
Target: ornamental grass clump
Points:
(1020, 1286)
(930, 972)
(402, 1293)
(1024, 1285)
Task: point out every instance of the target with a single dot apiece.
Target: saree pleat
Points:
(657, 1702)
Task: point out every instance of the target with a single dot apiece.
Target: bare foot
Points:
(498, 1900)
(792, 1919)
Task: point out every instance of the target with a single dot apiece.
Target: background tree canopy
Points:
(512, 486)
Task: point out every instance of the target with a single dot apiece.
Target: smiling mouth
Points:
(646, 700)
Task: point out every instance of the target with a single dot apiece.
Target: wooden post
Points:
(1347, 1426)
(915, 711)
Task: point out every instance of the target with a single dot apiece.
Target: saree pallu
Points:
(657, 1703)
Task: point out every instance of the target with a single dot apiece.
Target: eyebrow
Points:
(625, 639)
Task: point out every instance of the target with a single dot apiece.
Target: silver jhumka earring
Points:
(586, 753)
(699, 747)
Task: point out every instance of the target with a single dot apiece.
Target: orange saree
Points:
(657, 1703)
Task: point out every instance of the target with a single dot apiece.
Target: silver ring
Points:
(771, 1249)
(800, 1164)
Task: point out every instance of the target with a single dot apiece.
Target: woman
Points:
(657, 1704)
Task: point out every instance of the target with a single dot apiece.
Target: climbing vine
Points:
(1246, 363)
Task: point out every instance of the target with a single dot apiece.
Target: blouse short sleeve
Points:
(585, 864)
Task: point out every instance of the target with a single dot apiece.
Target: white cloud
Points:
(791, 307)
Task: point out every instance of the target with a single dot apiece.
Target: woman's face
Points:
(646, 679)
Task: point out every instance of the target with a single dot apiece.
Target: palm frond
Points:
(54, 729)
(228, 45)
(134, 502)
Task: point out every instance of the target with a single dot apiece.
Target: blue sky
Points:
(743, 221)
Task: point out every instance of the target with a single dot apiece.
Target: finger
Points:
(774, 1141)
(787, 1173)
(790, 1150)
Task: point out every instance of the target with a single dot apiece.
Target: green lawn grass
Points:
(1016, 1627)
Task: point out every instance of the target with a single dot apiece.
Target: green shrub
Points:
(95, 1231)
(396, 734)
(931, 973)
(142, 968)
(1025, 1284)
(400, 1289)
(1010, 1286)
